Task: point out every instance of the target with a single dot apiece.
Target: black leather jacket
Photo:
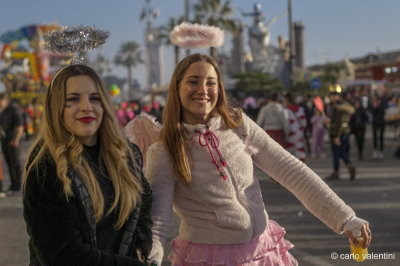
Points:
(59, 234)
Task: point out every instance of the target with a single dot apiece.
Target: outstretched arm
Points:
(304, 183)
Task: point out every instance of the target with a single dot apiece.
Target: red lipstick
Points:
(86, 119)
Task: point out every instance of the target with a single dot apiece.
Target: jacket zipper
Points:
(241, 201)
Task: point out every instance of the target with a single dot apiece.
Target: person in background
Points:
(358, 122)
(377, 109)
(339, 133)
(250, 107)
(85, 199)
(12, 127)
(309, 107)
(295, 143)
(202, 168)
(318, 122)
(274, 119)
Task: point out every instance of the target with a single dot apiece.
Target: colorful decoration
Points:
(32, 62)
(319, 103)
(114, 90)
(26, 43)
(76, 40)
(27, 32)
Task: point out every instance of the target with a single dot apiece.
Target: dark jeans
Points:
(12, 157)
(378, 130)
(340, 152)
(359, 135)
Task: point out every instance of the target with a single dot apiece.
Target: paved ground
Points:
(374, 195)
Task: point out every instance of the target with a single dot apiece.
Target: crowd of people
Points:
(302, 128)
(90, 198)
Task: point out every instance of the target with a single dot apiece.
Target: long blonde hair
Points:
(66, 150)
(173, 133)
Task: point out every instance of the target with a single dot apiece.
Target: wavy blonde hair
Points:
(66, 150)
(173, 133)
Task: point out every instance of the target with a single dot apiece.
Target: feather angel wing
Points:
(143, 131)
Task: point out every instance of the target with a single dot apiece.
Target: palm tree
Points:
(102, 64)
(165, 31)
(129, 56)
(215, 13)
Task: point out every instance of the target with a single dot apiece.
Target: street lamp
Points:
(186, 18)
(292, 54)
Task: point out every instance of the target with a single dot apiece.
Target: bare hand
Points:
(365, 235)
(336, 141)
(14, 143)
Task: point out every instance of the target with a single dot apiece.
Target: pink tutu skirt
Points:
(269, 248)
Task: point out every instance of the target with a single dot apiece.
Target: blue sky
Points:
(333, 29)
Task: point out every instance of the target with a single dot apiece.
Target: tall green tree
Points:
(257, 82)
(164, 35)
(216, 13)
(332, 73)
(129, 56)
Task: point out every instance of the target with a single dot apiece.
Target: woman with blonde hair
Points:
(202, 165)
(85, 199)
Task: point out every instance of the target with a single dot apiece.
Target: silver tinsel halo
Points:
(75, 40)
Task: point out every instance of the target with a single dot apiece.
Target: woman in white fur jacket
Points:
(202, 168)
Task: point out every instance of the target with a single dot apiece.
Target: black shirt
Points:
(108, 238)
(10, 118)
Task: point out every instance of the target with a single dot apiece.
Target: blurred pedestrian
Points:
(358, 122)
(202, 168)
(339, 133)
(377, 110)
(274, 119)
(12, 125)
(295, 143)
(318, 122)
(86, 201)
(250, 107)
(309, 107)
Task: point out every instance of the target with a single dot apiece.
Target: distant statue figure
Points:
(259, 36)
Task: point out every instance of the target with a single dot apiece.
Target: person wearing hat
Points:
(11, 124)
(339, 133)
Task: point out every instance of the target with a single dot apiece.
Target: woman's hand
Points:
(365, 235)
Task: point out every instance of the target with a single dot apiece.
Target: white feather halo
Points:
(196, 36)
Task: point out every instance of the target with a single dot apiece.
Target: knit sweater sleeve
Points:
(298, 178)
(160, 175)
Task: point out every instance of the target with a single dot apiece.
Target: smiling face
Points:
(83, 109)
(198, 92)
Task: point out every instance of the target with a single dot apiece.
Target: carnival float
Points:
(26, 68)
